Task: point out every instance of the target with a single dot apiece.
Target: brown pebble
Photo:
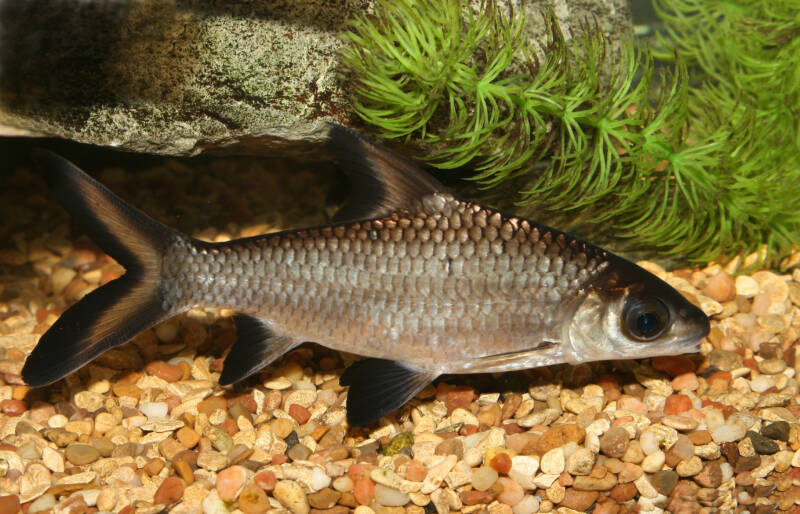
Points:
(339, 509)
(324, 498)
(299, 413)
(747, 463)
(475, 497)
(211, 404)
(731, 453)
(459, 397)
(451, 447)
(709, 476)
(700, 437)
(13, 407)
(81, 454)
(664, 481)
(253, 500)
(684, 498)
(164, 371)
(187, 456)
(154, 466)
(623, 492)
(606, 507)
(170, 491)
(123, 390)
(614, 442)
(559, 436)
(579, 500)
(188, 437)
(184, 470)
(128, 509)
(9, 504)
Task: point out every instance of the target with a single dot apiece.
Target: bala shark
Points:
(409, 275)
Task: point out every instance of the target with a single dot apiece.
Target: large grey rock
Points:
(182, 77)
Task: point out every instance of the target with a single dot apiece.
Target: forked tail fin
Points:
(116, 312)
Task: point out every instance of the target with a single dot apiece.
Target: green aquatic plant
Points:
(642, 155)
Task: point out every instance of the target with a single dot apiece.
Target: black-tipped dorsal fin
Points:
(255, 347)
(377, 387)
(382, 181)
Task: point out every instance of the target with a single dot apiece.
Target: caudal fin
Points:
(116, 312)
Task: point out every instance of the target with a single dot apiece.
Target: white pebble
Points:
(389, 496)
(553, 462)
(649, 442)
(319, 480)
(523, 469)
(42, 504)
(212, 504)
(761, 383)
(727, 471)
(57, 421)
(653, 462)
(747, 286)
(484, 477)
(154, 409)
(343, 484)
(527, 505)
(728, 433)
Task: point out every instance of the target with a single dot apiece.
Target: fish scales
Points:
(428, 283)
(410, 276)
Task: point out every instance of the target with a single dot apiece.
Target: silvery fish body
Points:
(418, 280)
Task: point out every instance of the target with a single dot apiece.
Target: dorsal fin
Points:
(382, 181)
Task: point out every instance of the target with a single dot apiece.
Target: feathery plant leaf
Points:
(701, 168)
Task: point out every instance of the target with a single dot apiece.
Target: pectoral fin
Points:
(377, 387)
(255, 347)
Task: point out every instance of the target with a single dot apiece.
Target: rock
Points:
(559, 436)
(579, 500)
(291, 495)
(523, 470)
(298, 452)
(623, 492)
(253, 500)
(451, 446)
(81, 454)
(728, 432)
(170, 491)
(762, 445)
(501, 463)
(614, 442)
(724, 360)
(590, 483)
(664, 481)
(580, 462)
(324, 498)
(484, 477)
(512, 492)
(629, 472)
(157, 78)
(153, 409)
(553, 462)
(475, 497)
(165, 371)
(299, 413)
(709, 476)
(676, 404)
(390, 497)
(771, 366)
(690, 467)
(230, 482)
(9, 504)
(778, 430)
(721, 287)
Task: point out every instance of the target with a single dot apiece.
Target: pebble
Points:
(614, 442)
(484, 477)
(81, 454)
(771, 366)
(43, 503)
(709, 476)
(253, 500)
(664, 481)
(654, 462)
(291, 495)
(164, 371)
(721, 287)
(728, 432)
(553, 462)
(580, 462)
(778, 430)
(170, 491)
(389, 496)
(579, 500)
(762, 445)
(230, 482)
(690, 467)
(512, 492)
(324, 498)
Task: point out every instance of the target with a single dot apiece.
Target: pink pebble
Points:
(512, 491)
(685, 381)
(631, 403)
(230, 482)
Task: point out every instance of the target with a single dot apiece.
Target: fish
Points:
(408, 274)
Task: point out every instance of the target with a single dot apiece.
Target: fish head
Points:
(629, 313)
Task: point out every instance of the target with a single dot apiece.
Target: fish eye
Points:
(645, 319)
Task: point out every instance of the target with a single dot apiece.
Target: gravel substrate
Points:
(147, 428)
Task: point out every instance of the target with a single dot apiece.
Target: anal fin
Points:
(256, 346)
(377, 387)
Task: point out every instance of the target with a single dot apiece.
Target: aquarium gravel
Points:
(147, 428)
